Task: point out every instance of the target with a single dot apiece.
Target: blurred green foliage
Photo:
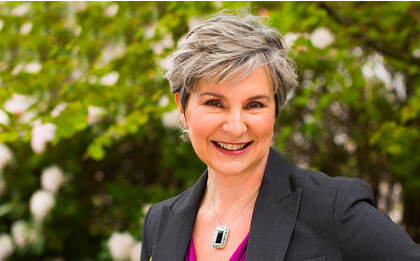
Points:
(355, 113)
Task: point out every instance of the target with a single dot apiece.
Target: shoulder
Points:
(156, 216)
(315, 186)
(319, 182)
(345, 206)
(333, 195)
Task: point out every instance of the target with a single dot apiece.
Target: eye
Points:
(213, 103)
(254, 105)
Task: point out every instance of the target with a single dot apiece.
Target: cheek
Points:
(202, 123)
(266, 126)
(262, 127)
(264, 120)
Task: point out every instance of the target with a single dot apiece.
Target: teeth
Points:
(230, 146)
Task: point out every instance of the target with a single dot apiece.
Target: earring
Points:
(186, 134)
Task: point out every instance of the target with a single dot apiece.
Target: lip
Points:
(232, 152)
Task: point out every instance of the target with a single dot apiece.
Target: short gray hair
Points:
(226, 49)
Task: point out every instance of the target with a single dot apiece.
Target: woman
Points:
(230, 76)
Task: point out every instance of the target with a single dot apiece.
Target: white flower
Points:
(321, 38)
(149, 32)
(20, 10)
(4, 118)
(24, 233)
(41, 134)
(290, 38)
(171, 119)
(76, 74)
(5, 155)
(416, 53)
(111, 10)
(135, 252)
(194, 21)
(27, 117)
(33, 67)
(163, 101)
(166, 42)
(18, 68)
(109, 79)
(165, 63)
(340, 138)
(18, 103)
(111, 52)
(41, 204)
(120, 245)
(146, 207)
(20, 233)
(6, 246)
(52, 178)
(81, 6)
(218, 4)
(26, 28)
(95, 114)
(58, 109)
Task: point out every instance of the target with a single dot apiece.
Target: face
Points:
(231, 126)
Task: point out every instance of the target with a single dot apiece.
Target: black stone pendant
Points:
(220, 237)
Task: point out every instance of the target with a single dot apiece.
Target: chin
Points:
(229, 169)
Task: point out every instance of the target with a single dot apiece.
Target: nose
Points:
(235, 124)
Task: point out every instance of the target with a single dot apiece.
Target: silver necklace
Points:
(221, 232)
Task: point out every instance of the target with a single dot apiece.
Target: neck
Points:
(230, 193)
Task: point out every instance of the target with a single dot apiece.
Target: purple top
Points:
(239, 255)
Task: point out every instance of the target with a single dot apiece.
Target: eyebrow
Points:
(221, 96)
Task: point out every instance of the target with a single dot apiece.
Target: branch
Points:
(380, 46)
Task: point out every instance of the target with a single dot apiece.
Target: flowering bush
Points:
(120, 245)
(89, 132)
(6, 246)
(5, 155)
(52, 178)
(41, 204)
(83, 150)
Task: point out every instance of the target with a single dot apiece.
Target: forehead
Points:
(257, 82)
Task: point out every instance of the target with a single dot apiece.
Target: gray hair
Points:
(226, 49)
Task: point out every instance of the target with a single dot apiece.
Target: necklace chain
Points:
(237, 214)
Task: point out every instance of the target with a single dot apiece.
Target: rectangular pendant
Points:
(220, 237)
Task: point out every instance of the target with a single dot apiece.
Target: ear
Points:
(181, 110)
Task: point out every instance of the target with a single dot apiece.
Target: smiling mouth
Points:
(232, 147)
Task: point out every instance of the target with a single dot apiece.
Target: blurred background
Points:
(89, 133)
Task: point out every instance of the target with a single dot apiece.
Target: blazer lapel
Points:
(176, 224)
(275, 212)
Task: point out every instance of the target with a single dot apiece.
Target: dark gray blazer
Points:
(299, 215)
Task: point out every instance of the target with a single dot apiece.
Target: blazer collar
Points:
(176, 224)
(192, 197)
(275, 212)
(272, 224)
(275, 185)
